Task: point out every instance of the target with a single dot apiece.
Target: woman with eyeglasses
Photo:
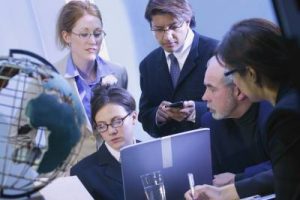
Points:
(80, 29)
(261, 65)
(114, 118)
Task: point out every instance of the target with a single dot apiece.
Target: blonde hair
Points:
(70, 14)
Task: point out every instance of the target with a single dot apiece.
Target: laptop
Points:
(175, 156)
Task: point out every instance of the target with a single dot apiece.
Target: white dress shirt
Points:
(183, 53)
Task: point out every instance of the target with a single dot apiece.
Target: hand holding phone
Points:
(178, 104)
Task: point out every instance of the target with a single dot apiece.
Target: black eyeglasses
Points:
(229, 72)
(172, 27)
(85, 36)
(115, 123)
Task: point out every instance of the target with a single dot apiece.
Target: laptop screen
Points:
(175, 156)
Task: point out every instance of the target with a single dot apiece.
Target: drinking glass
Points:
(154, 186)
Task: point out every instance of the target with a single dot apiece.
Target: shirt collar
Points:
(103, 68)
(182, 55)
(71, 70)
(186, 46)
(115, 153)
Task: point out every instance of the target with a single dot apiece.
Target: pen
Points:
(192, 183)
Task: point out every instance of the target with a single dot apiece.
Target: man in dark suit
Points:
(114, 117)
(174, 71)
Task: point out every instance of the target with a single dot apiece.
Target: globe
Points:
(41, 123)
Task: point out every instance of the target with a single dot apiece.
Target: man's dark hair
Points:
(179, 9)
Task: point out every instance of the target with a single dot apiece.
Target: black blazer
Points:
(156, 85)
(283, 131)
(101, 175)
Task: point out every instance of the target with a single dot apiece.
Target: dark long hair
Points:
(258, 43)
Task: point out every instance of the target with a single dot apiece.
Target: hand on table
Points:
(223, 179)
(208, 192)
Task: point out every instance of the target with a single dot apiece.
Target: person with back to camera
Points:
(236, 127)
(260, 63)
(80, 29)
(174, 71)
(114, 118)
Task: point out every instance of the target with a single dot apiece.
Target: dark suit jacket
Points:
(283, 131)
(156, 85)
(230, 151)
(101, 175)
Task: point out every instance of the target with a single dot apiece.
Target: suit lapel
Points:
(61, 67)
(163, 71)
(112, 167)
(191, 61)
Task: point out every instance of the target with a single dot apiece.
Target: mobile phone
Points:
(178, 104)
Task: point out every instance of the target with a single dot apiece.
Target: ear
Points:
(252, 74)
(66, 36)
(238, 94)
(97, 135)
(188, 23)
(134, 117)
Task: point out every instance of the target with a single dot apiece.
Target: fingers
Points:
(217, 181)
(183, 113)
(177, 115)
(161, 116)
(202, 192)
(188, 112)
(187, 104)
(161, 113)
(165, 113)
(208, 192)
(223, 179)
(188, 195)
